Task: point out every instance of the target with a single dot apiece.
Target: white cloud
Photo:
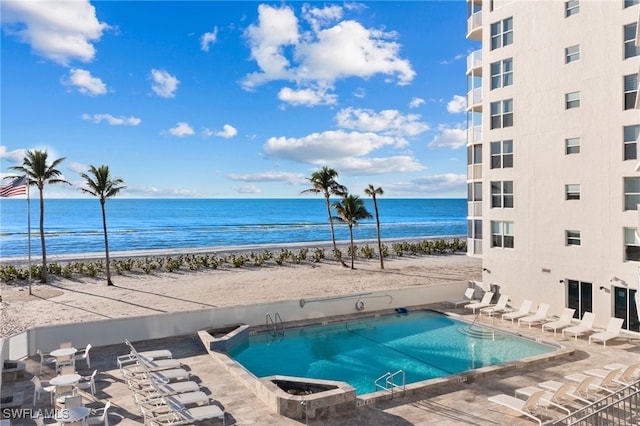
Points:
(182, 129)
(449, 137)
(247, 189)
(228, 131)
(416, 102)
(78, 167)
(389, 122)
(377, 166)
(207, 132)
(287, 177)
(113, 121)
(456, 58)
(61, 31)
(457, 105)
(306, 97)
(15, 156)
(441, 185)
(208, 39)
(85, 83)
(321, 17)
(164, 84)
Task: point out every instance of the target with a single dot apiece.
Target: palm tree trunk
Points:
(106, 242)
(43, 272)
(333, 236)
(375, 206)
(352, 249)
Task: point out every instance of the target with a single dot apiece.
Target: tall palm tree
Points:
(40, 173)
(324, 181)
(103, 186)
(372, 192)
(350, 210)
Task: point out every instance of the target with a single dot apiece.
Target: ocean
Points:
(74, 226)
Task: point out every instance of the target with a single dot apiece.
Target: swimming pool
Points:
(424, 344)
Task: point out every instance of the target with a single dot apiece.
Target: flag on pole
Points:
(18, 186)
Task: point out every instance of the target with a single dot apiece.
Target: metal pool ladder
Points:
(388, 382)
(274, 323)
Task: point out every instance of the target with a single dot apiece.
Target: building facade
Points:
(553, 167)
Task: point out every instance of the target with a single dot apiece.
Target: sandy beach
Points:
(134, 294)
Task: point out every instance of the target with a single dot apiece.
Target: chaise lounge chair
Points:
(606, 384)
(560, 398)
(613, 330)
(466, 298)
(499, 307)
(630, 372)
(189, 416)
(526, 408)
(585, 326)
(560, 323)
(576, 393)
(486, 301)
(539, 316)
(523, 311)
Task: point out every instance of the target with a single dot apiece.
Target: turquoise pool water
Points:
(424, 344)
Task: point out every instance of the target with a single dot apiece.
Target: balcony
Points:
(474, 134)
(474, 26)
(474, 100)
(474, 63)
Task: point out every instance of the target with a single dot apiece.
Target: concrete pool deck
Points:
(451, 404)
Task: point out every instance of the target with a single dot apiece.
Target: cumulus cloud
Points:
(377, 166)
(208, 39)
(287, 177)
(416, 102)
(60, 31)
(449, 137)
(163, 83)
(228, 131)
(78, 167)
(318, 57)
(247, 189)
(457, 105)
(85, 83)
(389, 122)
(439, 185)
(15, 156)
(110, 119)
(307, 97)
(182, 129)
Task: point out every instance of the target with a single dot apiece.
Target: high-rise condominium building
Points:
(553, 165)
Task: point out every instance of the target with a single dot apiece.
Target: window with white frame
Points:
(572, 146)
(474, 229)
(502, 114)
(573, 238)
(572, 100)
(631, 244)
(631, 193)
(572, 191)
(474, 191)
(572, 54)
(502, 234)
(474, 154)
(571, 7)
(501, 33)
(631, 137)
(502, 73)
(630, 91)
(502, 154)
(502, 194)
(631, 49)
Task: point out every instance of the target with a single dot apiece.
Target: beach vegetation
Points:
(318, 255)
(351, 209)
(384, 250)
(372, 192)
(367, 252)
(39, 173)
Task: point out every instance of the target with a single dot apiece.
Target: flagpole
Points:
(29, 232)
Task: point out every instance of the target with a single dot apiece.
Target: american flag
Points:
(18, 186)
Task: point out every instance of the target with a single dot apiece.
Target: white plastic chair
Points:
(85, 356)
(89, 382)
(39, 388)
(44, 360)
(102, 418)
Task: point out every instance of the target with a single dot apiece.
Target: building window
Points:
(474, 154)
(572, 192)
(573, 238)
(501, 33)
(572, 53)
(502, 194)
(502, 114)
(572, 146)
(631, 193)
(630, 91)
(629, 3)
(572, 100)
(631, 244)
(502, 154)
(571, 7)
(631, 49)
(631, 134)
(474, 191)
(474, 229)
(502, 234)
(502, 73)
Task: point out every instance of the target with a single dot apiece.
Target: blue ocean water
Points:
(74, 226)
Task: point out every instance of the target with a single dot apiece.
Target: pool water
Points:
(425, 344)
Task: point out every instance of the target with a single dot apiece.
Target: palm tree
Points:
(40, 172)
(372, 192)
(103, 186)
(350, 210)
(324, 181)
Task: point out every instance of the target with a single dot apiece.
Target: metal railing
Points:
(389, 384)
(273, 324)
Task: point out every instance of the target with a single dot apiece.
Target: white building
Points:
(553, 168)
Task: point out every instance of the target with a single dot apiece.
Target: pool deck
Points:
(452, 404)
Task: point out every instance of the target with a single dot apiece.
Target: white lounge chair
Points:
(163, 405)
(526, 408)
(605, 384)
(564, 321)
(539, 316)
(575, 393)
(499, 307)
(613, 330)
(466, 298)
(630, 372)
(188, 416)
(523, 311)
(559, 398)
(150, 388)
(486, 301)
(585, 326)
(144, 364)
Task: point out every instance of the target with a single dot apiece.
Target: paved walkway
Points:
(459, 404)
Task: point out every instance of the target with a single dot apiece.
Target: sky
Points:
(238, 99)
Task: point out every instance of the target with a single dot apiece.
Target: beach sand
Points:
(134, 294)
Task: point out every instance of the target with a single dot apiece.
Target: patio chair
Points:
(84, 356)
(564, 321)
(149, 389)
(571, 394)
(63, 361)
(499, 307)
(45, 360)
(523, 311)
(145, 365)
(585, 326)
(613, 330)
(65, 345)
(486, 301)
(163, 376)
(102, 417)
(466, 298)
(526, 408)
(73, 401)
(88, 382)
(606, 384)
(64, 392)
(190, 415)
(630, 372)
(558, 398)
(40, 388)
(158, 406)
(539, 316)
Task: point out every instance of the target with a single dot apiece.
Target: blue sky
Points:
(239, 99)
